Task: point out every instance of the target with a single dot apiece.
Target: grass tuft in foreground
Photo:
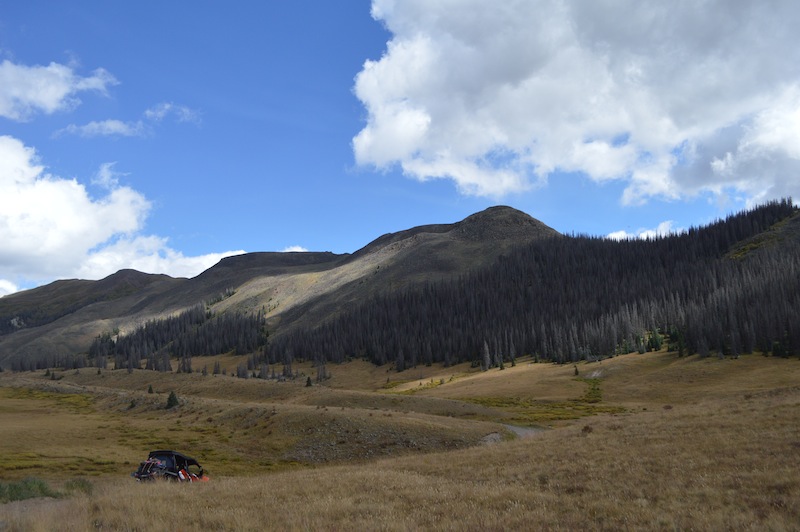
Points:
(28, 488)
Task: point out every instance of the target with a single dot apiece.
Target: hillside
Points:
(495, 286)
(60, 319)
(731, 287)
(53, 323)
(43, 305)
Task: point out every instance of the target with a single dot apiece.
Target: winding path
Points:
(524, 432)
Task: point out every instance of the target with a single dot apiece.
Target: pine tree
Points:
(486, 357)
(172, 400)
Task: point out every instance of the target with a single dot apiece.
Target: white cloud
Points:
(51, 228)
(26, 90)
(7, 287)
(138, 128)
(106, 128)
(663, 229)
(671, 99)
(181, 113)
(150, 254)
(294, 249)
(106, 176)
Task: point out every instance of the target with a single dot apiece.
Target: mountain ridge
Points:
(495, 284)
(573, 298)
(72, 312)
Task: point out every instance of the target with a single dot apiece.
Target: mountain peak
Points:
(502, 222)
(493, 224)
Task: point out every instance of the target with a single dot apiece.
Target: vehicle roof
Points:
(173, 453)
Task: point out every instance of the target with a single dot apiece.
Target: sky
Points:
(164, 136)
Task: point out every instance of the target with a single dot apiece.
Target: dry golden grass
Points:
(702, 444)
(526, 380)
(232, 425)
(45, 432)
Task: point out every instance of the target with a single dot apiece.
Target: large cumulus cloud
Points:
(670, 98)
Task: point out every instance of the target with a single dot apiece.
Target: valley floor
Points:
(636, 442)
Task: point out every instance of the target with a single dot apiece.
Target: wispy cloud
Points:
(106, 128)
(27, 90)
(181, 113)
(106, 177)
(294, 249)
(139, 128)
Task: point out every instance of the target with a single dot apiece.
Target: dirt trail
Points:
(520, 432)
(524, 432)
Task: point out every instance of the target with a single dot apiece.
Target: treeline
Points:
(194, 332)
(569, 298)
(49, 360)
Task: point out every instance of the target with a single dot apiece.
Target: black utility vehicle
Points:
(169, 465)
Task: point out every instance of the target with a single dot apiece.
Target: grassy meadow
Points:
(647, 441)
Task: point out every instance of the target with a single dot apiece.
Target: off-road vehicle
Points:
(169, 465)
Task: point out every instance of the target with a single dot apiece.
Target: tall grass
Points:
(28, 488)
(700, 444)
(715, 465)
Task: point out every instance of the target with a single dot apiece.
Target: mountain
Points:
(293, 290)
(62, 318)
(491, 287)
(729, 288)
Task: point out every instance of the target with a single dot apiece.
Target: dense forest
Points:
(717, 289)
(192, 333)
(729, 288)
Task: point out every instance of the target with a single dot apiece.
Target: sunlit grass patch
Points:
(57, 464)
(20, 461)
(423, 385)
(524, 411)
(593, 394)
(533, 412)
(76, 402)
(390, 385)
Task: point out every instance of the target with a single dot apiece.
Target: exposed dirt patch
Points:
(524, 432)
(489, 439)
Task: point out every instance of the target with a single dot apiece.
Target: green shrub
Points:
(28, 488)
(172, 400)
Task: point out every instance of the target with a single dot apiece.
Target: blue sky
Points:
(162, 136)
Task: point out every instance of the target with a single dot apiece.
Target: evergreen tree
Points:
(172, 400)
